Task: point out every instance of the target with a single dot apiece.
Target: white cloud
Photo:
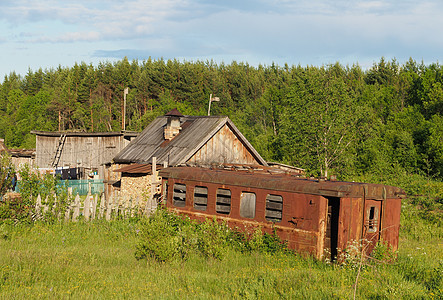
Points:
(261, 30)
(70, 37)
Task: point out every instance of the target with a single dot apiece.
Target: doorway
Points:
(331, 234)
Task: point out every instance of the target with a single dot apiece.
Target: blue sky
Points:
(49, 33)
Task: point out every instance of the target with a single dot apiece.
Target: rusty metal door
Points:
(331, 234)
(371, 227)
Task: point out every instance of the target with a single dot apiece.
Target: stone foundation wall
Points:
(136, 186)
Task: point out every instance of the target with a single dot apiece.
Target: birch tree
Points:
(322, 119)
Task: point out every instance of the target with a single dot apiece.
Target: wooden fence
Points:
(95, 207)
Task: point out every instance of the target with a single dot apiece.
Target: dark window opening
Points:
(247, 205)
(200, 197)
(372, 219)
(274, 208)
(223, 203)
(179, 196)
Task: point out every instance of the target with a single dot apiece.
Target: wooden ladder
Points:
(58, 152)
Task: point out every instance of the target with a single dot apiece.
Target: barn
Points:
(88, 151)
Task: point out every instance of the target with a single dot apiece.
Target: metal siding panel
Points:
(390, 222)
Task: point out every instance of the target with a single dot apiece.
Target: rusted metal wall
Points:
(223, 147)
(302, 224)
(390, 222)
(350, 222)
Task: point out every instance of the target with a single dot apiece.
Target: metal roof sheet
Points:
(284, 182)
(196, 131)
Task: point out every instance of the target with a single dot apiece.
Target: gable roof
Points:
(196, 132)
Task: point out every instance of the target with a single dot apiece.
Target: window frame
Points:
(248, 205)
(274, 206)
(198, 191)
(179, 201)
(222, 201)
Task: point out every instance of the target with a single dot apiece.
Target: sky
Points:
(48, 33)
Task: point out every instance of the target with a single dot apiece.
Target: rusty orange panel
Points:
(390, 222)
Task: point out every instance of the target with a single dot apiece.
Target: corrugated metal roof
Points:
(198, 130)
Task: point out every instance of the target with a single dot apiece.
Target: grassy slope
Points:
(96, 260)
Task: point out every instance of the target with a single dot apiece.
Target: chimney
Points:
(173, 126)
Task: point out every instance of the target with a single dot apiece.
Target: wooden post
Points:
(102, 206)
(94, 207)
(68, 211)
(109, 207)
(76, 213)
(136, 206)
(153, 185)
(45, 206)
(86, 207)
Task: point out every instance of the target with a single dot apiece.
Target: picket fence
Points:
(97, 207)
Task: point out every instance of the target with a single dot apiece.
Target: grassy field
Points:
(97, 261)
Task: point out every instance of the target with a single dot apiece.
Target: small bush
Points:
(15, 209)
(213, 238)
(162, 238)
(166, 236)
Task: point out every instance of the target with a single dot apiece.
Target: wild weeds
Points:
(166, 237)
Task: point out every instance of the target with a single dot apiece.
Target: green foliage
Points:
(95, 260)
(166, 237)
(163, 237)
(7, 172)
(21, 208)
(330, 120)
(417, 267)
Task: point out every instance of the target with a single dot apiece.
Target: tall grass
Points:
(97, 260)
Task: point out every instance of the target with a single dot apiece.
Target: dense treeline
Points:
(330, 120)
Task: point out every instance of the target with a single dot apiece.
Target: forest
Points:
(330, 120)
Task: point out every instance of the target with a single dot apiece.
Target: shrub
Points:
(213, 238)
(163, 237)
(6, 173)
(166, 236)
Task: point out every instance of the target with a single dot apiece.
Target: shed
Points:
(88, 150)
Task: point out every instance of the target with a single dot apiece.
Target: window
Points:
(200, 197)
(372, 219)
(247, 205)
(179, 196)
(274, 208)
(223, 203)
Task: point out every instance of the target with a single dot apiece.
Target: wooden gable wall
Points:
(223, 147)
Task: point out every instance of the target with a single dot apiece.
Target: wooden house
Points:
(174, 139)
